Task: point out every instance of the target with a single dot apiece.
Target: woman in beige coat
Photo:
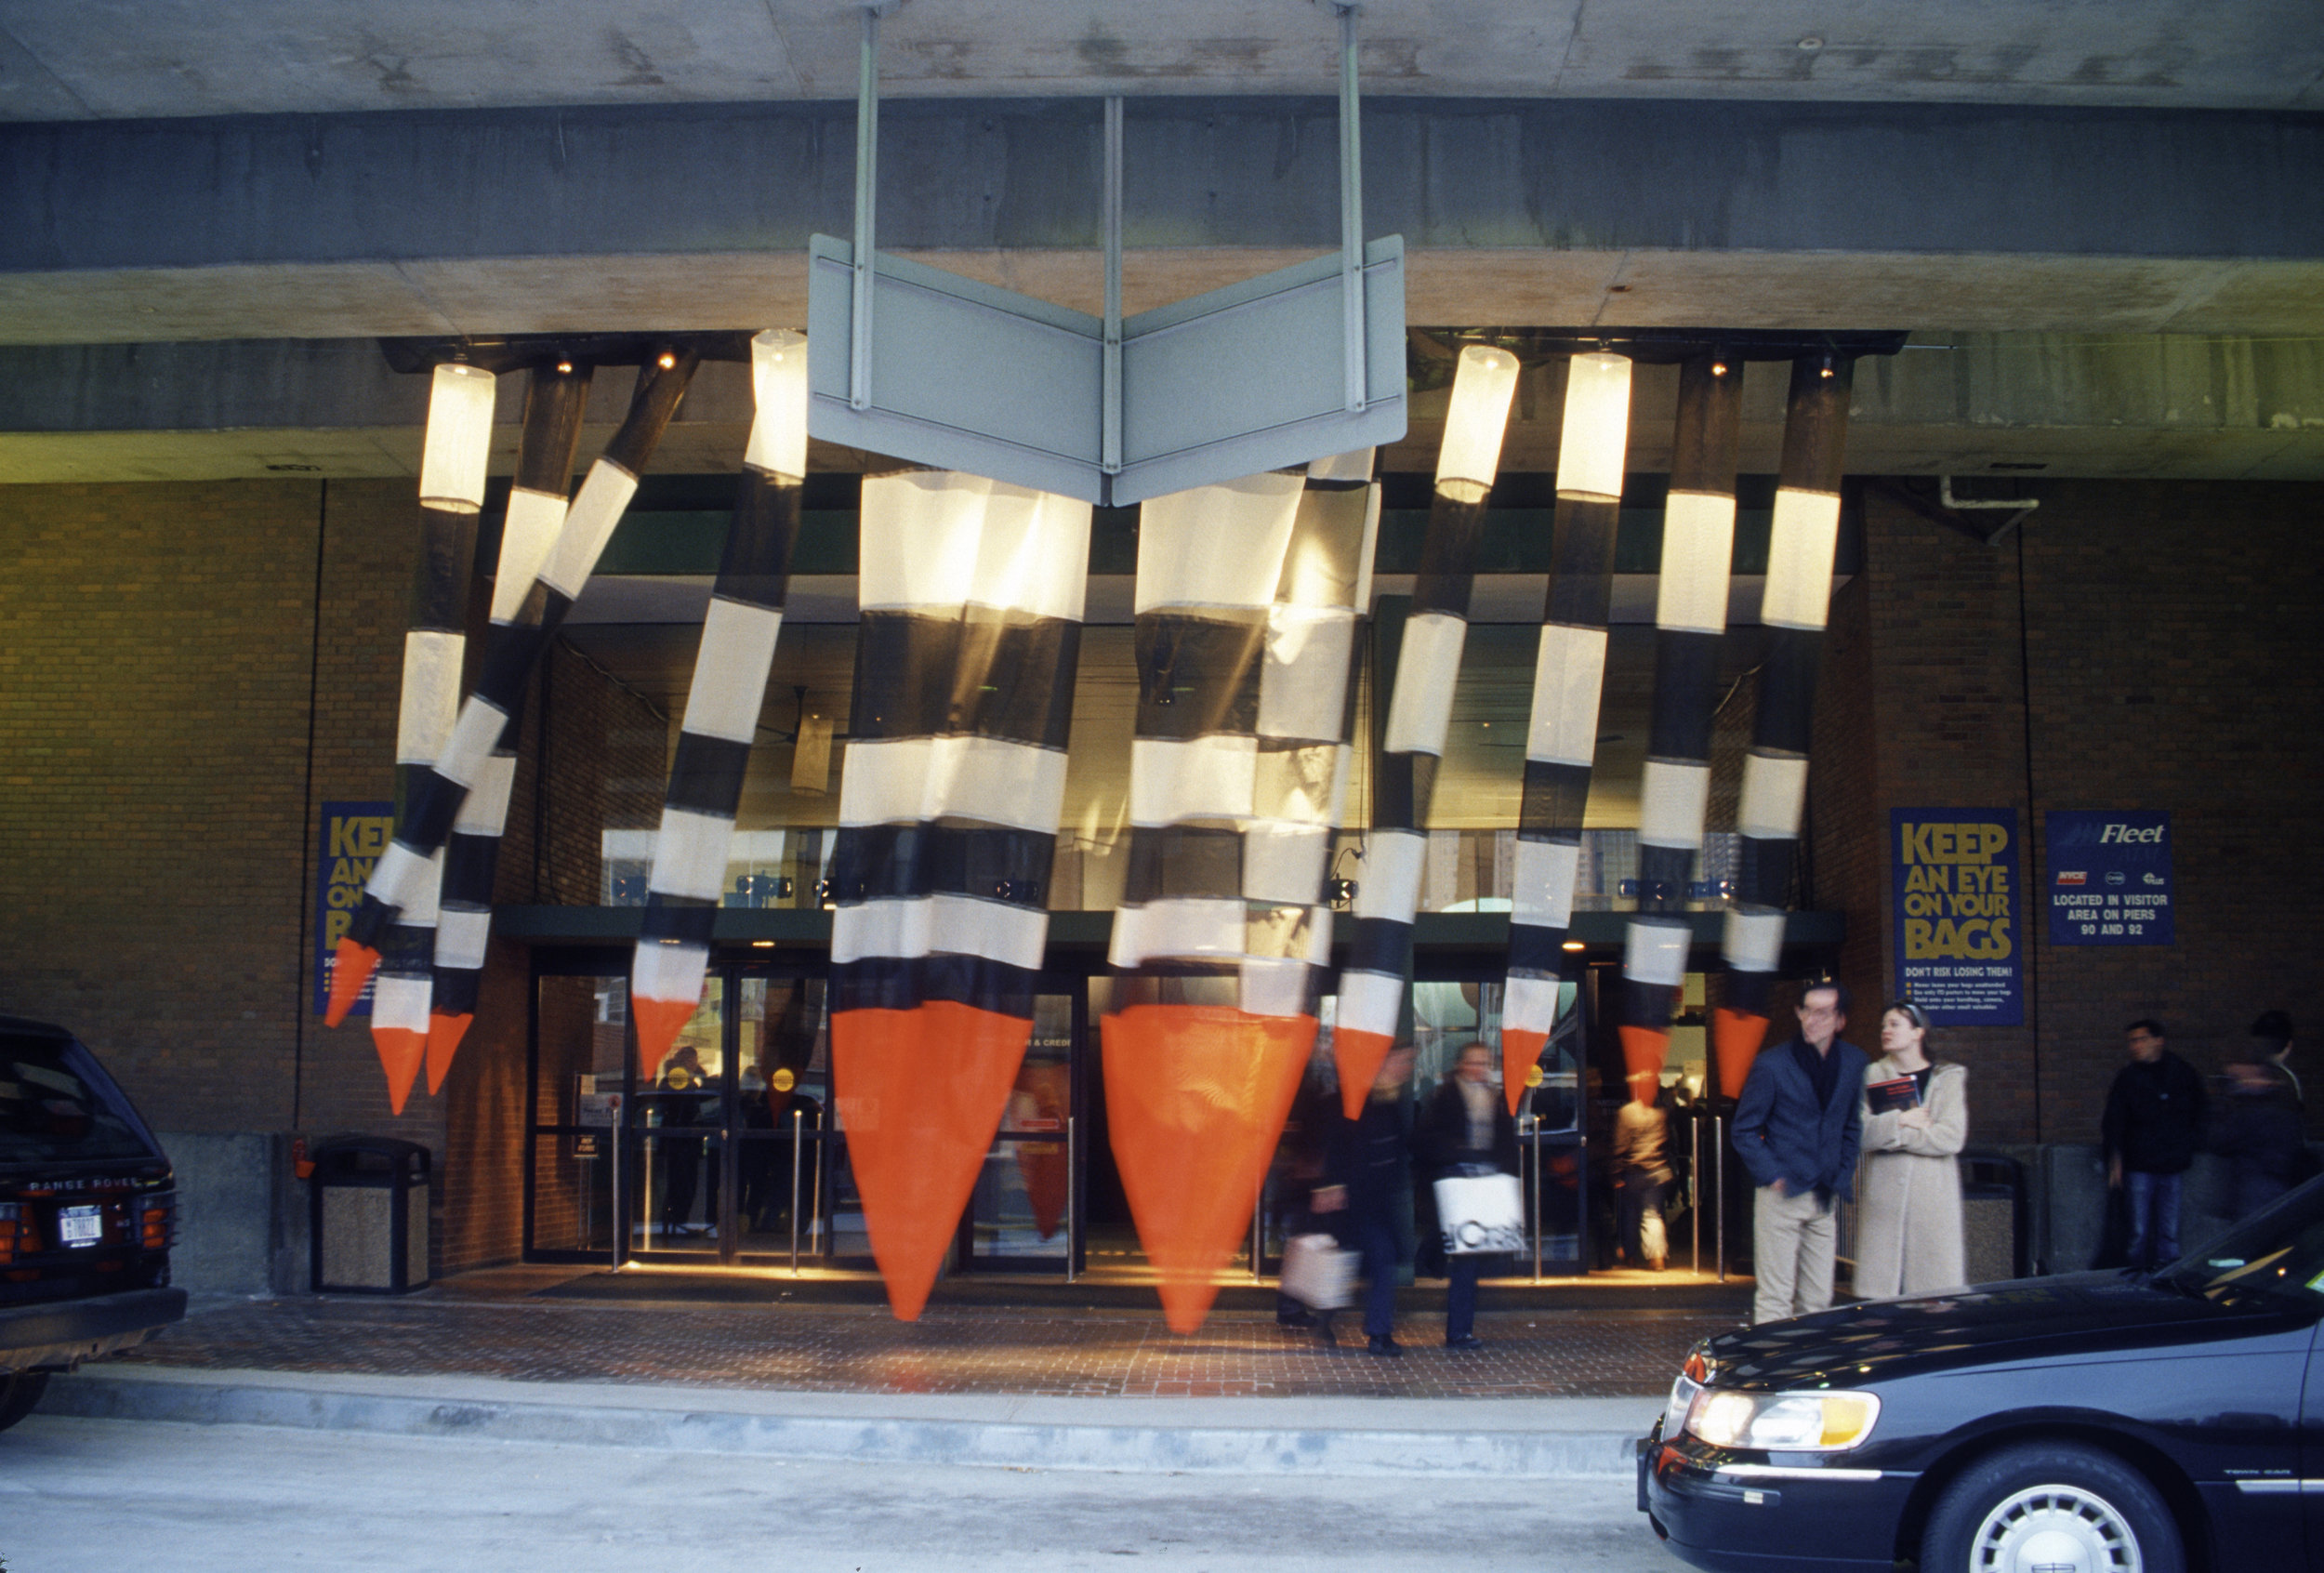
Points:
(1909, 1230)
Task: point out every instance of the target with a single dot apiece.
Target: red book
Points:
(1890, 1097)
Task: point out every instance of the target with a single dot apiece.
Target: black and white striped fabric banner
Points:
(720, 721)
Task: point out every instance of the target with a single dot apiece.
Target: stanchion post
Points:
(799, 1128)
(1695, 1191)
(1073, 1209)
(814, 1209)
(1718, 1173)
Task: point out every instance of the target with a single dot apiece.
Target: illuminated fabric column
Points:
(722, 704)
(1801, 546)
(1562, 737)
(1690, 621)
(453, 457)
(1246, 603)
(949, 799)
(1379, 965)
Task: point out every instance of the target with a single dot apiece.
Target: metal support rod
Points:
(1536, 1200)
(867, 205)
(1719, 1176)
(1257, 1240)
(814, 1209)
(1073, 1211)
(1695, 1191)
(798, 1120)
(1110, 458)
(1352, 213)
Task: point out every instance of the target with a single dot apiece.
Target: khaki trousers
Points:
(1792, 1241)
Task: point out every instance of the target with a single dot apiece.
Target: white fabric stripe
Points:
(1697, 550)
(400, 1003)
(1370, 1002)
(1775, 788)
(1284, 862)
(1672, 801)
(1390, 884)
(484, 812)
(1217, 546)
(903, 780)
(1305, 785)
(668, 970)
(474, 736)
(1595, 432)
(431, 694)
(1276, 988)
(936, 540)
(427, 903)
(396, 878)
(1354, 465)
(1542, 887)
(1303, 679)
(535, 518)
(904, 928)
(1428, 665)
(1371, 552)
(1568, 672)
(1754, 940)
(1530, 1005)
(1800, 549)
(730, 680)
(1202, 778)
(778, 380)
(690, 854)
(597, 508)
(1656, 953)
(462, 938)
(1191, 927)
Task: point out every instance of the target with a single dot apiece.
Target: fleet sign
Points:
(1957, 920)
(2110, 875)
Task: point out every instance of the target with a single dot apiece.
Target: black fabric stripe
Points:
(651, 405)
(439, 587)
(982, 674)
(1649, 1005)
(1687, 674)
(554, 402)
(706, 776)
(469, 863)
(1403, 787)
(1745, 993)
(1662, 876)
(1448, 555)
(511, 649)
(1537, 950)
(406, 951)
(1710, 428)
(369, 926)
(761, 539)
(1554, 798)
(1198, 675)
(435, 804)
(889, 862)
(1763, 877)
(1582, 561)
(678, 917)
(1380, 944)
(1786, 720)
(1816, 423)
(1160, 983)
(1184, 862)
(455, 991)
(1317, 483)
(883, 984)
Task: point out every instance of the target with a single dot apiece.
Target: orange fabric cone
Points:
(401, 1052)
(1643, 1051)
(443, 1041)
(1196, 1096)
(1358, 1056)
(920, 1093)
(1520, 1052)
(350, 969)
(1736, 1037)
(659, 1023)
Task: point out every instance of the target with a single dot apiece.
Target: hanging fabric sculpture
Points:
(1373, 990)
(453, 458)
(1690, 622)
(1248, 596)
(1562, 737)
(463, 799)
(949, 797)
(1797, 603)
(722, 716)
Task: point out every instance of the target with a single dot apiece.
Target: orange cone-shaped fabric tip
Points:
(1643, 1051)
(1736, 1037)
(1520, 1052)
(1358, 1056)
(659, 1023)
(401, 1052)
(920, 1093)
(443, 1041)
(1196, 1096)
(350, 969)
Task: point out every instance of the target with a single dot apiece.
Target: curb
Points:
(782, 1425)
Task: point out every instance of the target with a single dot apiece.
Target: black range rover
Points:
(88, 1214)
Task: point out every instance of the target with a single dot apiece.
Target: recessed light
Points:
(1574, 945)
(1811, 42)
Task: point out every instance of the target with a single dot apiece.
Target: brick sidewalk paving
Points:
(1557, 1353)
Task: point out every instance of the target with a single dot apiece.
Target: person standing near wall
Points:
(2272, 1035)
(1797, 1127)
(1909, 1220)
(2257, 1131)
(2152, 1127)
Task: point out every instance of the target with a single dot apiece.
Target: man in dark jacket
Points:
(1369, 1182)
(2257, 1131)
(1467, 1130)
(1797, 1127)
(2152, 1129)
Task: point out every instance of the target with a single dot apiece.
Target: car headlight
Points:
(1786, 1422)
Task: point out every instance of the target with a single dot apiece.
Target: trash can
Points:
(1993, 1217)
(367, 1201)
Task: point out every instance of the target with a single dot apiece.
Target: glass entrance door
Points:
(1024, 1214)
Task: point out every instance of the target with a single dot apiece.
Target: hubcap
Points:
(2054, 1530)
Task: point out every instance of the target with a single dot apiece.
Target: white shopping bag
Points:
(1481, 1215)
(1316, 1272)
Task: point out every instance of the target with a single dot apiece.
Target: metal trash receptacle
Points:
(1993, 1217)
(367, 1204)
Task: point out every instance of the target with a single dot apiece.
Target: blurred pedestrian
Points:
(2272, 1032)
(2152, 1126)
(1642, 1173)
(1908, 1220)
(1370, 1175)
(1797, 1127)
(1466, 1132)
(2257, 1131)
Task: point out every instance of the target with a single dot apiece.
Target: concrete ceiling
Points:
(133, 58)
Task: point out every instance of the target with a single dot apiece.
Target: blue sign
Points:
(1958, 934)
(353, 837)
(2110, 875)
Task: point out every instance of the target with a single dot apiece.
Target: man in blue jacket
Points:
(1796, 1128)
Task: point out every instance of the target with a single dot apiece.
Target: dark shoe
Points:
(1380, 1344)
(1466, 1341)
(1295, 1319)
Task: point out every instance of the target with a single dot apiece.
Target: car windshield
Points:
(2277, 1257)
(56, 1104)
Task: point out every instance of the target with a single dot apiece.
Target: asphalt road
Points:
(79, 1496)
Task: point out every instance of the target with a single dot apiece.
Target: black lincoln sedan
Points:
(2103, 1420)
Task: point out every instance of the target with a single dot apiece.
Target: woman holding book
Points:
(1916, 1120)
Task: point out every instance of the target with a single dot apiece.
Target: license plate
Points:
(80, 1225)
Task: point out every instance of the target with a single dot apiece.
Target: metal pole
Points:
(866, 204)
(1073, 1211)
(1352, 213)
(1537, 1198)
(814, 1211)
(798, 1120)
(1258, 1224)
(1718, 1174)
(1695, 1189)
(1110, 458)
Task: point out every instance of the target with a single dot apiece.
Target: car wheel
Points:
(19, 1392)
(2051, 1505)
